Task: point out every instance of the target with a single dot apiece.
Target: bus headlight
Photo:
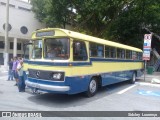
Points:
(57, 75)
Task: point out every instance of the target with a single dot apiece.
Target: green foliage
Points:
(117, 20)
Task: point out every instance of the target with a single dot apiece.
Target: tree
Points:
(128, 28)
(117, 20)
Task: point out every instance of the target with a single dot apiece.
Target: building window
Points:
(11, 45)
(18, 46)
(9, 27)
(24, 30)
(22, 8)
(1, 44)
(1, 59)
(2, 3)
(10, 5)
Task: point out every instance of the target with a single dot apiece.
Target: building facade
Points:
(22, 23)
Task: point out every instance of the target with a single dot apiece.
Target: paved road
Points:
(119, 97)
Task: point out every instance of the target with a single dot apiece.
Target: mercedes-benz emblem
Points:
(37, 73)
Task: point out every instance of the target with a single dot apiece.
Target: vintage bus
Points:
(63, 61)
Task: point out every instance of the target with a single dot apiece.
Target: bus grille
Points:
(45, 75)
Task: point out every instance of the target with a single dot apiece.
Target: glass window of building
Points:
(11, 45)
(1, 44)
(18, 46)
(9, 27)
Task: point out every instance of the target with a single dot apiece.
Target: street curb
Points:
(147, 84)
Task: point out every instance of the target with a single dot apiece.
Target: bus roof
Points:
(76, 35)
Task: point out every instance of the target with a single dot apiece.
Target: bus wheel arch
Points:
(93, 85)
(99, 81)
(133, 79)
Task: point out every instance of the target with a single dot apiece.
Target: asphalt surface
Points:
(142, 96)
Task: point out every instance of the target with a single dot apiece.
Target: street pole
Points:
(145, 70)
(6, 37)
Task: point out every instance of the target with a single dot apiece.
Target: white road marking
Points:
(148, 84)
(4, 71)
(3, 77)
(126, 89)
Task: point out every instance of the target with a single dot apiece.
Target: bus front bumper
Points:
(47, 87)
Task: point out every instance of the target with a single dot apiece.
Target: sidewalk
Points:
(3, 69)
(154, 78)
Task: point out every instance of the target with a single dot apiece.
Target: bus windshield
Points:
(56, 48)
(37, 49)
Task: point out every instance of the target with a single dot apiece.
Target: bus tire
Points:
(133, 79)
(92, 87)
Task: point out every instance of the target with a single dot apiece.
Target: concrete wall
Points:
(20, 15)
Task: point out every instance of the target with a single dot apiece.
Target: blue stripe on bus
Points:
(114, 60)
(80, 83)
(78, 63)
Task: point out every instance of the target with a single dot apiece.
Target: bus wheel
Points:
(132, 81)
(92, 88)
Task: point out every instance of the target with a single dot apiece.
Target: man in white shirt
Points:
(21, 82)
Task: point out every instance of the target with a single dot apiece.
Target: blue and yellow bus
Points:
(63, 61)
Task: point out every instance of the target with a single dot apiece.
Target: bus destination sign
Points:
(46, 33)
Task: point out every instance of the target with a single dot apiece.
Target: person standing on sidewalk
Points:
(21, 82)
(14, 68)
(10, 71)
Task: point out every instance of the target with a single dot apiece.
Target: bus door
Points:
(80, 61)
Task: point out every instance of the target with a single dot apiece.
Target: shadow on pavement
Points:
(65, 101)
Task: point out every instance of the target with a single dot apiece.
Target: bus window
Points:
(113, 52)
(79, 51)
(120, 53)
(134, 55)
(139, 55)
(96, 50)
(110, 52)
(123, 54)
(107, 52)
(128, 54)
(37, 49)
(28, 48)
(56, 48)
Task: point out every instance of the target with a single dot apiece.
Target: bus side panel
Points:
(128, 74)
(77, 84)
(120, 76)
(115, 77)
(109, 78)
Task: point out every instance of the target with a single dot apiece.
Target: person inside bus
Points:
(52, 52)
(100, 51)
